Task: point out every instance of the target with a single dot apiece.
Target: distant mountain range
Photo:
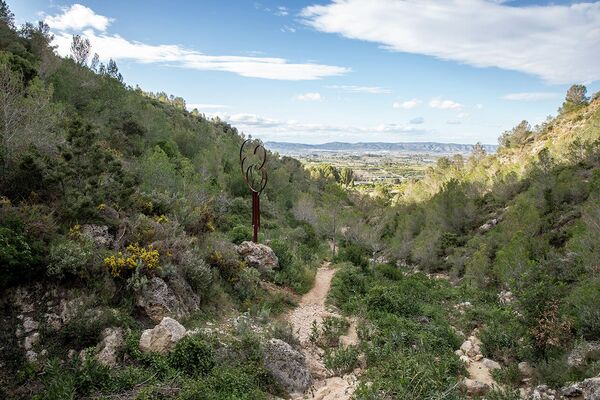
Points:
(409, 147)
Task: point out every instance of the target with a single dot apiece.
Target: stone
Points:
(465, 359)
(466, 347)
(584, 353)
(526, 370)
(588, 388)
(108, 348)
(506, 297)
(258, 256)
(288, 366)
(491, 364)
(477, 357)
(31, 340)
(475, 388)
(31, 356)
(29, 324)
(459, 352)
(163, 337)
(159, 301)
(99, 235)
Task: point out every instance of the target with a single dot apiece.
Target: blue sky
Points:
(347, 70)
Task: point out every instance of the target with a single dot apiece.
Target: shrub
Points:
(197, 273)
(392, 300)
(501, 337)
(135, 258)
(342, 360)
(70, 257)
(16, 256)
(582, 305)
(327, 335)
(193, 355)
(240, 234)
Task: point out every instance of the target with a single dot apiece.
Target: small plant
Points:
(342, 360)
(193, 355)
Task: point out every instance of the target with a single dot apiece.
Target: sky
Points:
(316, 71)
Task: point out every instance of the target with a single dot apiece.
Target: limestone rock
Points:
(258, 256)
(159, 301)
(583, 353)
(108, 348)
(287, 365)
(526, 370)
(475, 388)
(99, 235)
(589, 389)
(163, 337)
(491, 364)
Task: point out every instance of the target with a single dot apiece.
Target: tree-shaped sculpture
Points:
(252, 163)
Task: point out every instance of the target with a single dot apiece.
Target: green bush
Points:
(342, 360)
(197, 274)
(70, 257)
(391, 300)
(16, 256)
(193, 355)
(583, 307)
(502, 336)
(240, 234)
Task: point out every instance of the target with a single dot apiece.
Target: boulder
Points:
(159, 301)
(490, 364)
(258, 256)
(589, 389)
(583, 353)
(526, 370)
(163, 337)
(475, 388)
(108, 348)
(287, 366)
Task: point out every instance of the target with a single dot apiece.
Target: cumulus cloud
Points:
(442, 104)
(559, 43)
(407, 105)
(531, 96)
(311, 96)
(281, 11)
(78, 17)
(360, 89)
(118, 48)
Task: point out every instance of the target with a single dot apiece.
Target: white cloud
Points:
(407, 105)
(531, 96)
(118, 48)
(417, 121)
(78, 17)
(559, 43)
(281, 11)
(445, 104)
(311, 96)
(453, 122)
(201, 106)
(360, 89)
(479, 106)
(256, 123)
(463, 115)
(287, 28)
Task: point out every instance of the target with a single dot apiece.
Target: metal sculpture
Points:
(251, 173)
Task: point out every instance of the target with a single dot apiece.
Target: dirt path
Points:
(311, 309)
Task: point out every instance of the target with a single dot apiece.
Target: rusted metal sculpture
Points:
(251, 171)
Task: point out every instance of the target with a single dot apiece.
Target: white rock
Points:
(29, 324)
(526, 370)
(466, 347)
(163, 337)
(31, 340)
(465, 359)
(491, 364)
(112, 341)
(475, 388)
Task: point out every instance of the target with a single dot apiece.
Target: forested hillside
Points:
(123, 273)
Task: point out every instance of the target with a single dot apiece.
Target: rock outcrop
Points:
(287, 365)
(584, 353)
(108, 349)
(258, 256)
(159, 301)
(163, 337)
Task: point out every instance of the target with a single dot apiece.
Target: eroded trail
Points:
(312, 309)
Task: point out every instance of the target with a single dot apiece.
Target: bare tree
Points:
(80, 49)
(11, 95)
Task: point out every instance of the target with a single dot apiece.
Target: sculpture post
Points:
(250, 172)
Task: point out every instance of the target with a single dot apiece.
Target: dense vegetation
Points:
(84, 156)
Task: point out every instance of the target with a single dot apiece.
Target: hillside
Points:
(126, 271)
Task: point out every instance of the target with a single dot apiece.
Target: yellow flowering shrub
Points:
(135, 257)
